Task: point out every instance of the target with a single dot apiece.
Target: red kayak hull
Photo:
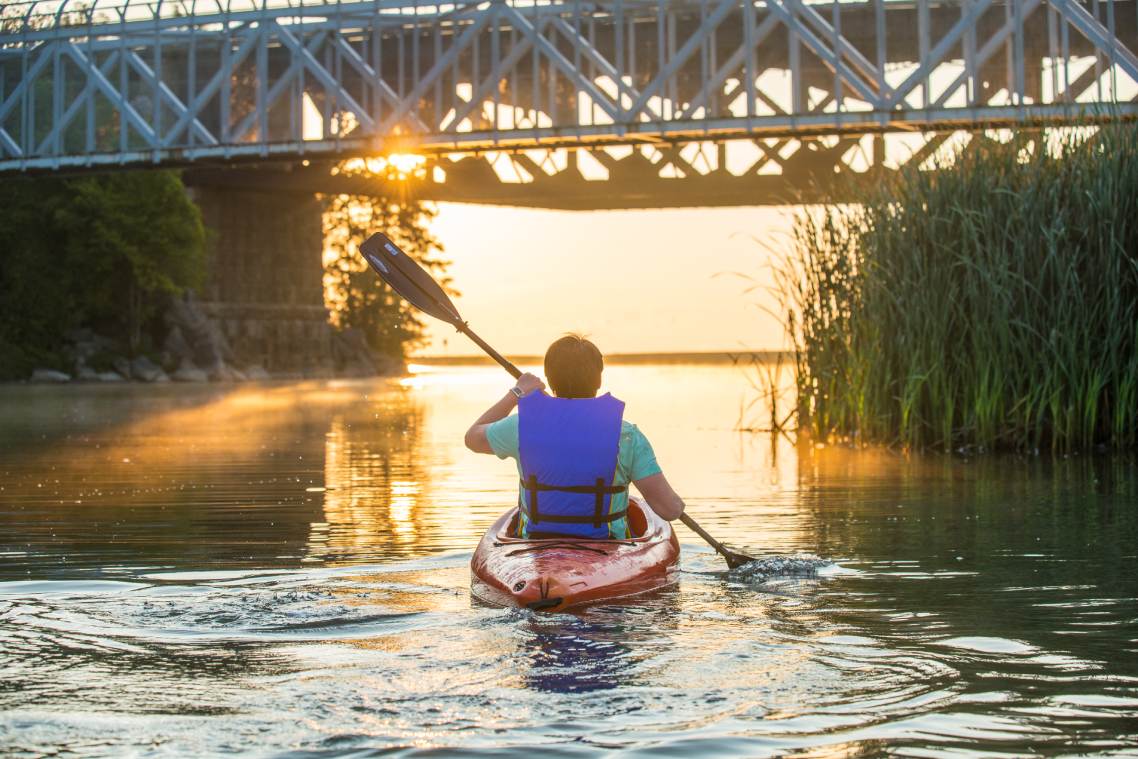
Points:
(555, 574)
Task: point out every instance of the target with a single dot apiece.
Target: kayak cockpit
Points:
(638, 528)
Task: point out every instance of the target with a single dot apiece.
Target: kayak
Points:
(553, 574)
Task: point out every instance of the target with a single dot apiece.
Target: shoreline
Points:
(703, 358)
(739, 357)
(264, 378)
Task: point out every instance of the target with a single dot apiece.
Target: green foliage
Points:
(96, 251)
(356, 296)
(990, 303)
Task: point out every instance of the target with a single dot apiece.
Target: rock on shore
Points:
(49, 376)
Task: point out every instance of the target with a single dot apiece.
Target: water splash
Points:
(769, 567)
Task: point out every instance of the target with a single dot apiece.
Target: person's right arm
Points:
(475, 438)
(657, 491)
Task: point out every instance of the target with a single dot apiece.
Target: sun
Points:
(397, 166)
(406, 163)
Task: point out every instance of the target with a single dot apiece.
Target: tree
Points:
(356, 296)
(99, 251)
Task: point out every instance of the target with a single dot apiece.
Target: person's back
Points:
(576, 453)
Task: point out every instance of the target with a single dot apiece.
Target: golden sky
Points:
(634, 281)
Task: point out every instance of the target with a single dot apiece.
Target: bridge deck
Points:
(110, 84)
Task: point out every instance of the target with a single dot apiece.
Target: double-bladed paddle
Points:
(418, 288)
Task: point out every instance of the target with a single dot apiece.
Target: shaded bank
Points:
(102, 252)
(107, 278)
(990, 303)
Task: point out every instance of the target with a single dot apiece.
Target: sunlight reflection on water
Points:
(192, 570)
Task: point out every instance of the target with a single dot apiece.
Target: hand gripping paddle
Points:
(418, 288)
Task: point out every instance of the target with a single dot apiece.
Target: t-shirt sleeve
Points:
(643, 457)
(503, 437)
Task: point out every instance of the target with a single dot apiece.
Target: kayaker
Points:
(576, 453)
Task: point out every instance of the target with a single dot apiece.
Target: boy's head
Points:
(573, 367)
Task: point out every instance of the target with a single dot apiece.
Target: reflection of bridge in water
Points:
(534, 103)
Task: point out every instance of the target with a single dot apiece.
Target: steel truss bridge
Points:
(537, 102)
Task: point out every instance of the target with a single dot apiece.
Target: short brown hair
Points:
(573, 366)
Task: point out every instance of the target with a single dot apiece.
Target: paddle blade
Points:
(736, 560)
(407, 278)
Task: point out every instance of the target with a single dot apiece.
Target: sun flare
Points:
(398, 166)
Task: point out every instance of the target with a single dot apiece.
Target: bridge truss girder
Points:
(784, 171)
(539, 84)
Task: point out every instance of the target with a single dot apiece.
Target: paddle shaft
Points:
(694, 527)
(506, 364)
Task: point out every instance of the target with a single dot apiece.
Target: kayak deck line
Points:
(569, 546)
(538, 543)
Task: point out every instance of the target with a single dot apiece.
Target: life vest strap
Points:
(568, 519)
(600, 489)
(533, 485)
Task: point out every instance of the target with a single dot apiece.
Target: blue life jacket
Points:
(568, 451)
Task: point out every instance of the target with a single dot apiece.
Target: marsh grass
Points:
(991, 303)
(771, 405)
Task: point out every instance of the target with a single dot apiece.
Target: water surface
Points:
(283, 569)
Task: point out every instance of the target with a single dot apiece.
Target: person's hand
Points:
(527, 383)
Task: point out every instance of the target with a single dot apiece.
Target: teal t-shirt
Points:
(635, 461)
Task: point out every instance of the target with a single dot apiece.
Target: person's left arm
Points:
(662, 499)
(650, 481)
(476, 439)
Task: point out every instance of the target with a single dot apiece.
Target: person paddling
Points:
(576, 453)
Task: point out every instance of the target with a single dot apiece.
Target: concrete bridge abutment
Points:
(265, 284)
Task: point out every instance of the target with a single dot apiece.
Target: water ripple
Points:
(283, 571)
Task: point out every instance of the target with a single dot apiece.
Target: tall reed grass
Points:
(989, 303)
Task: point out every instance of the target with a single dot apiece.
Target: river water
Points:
(283, 570)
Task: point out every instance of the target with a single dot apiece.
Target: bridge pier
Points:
(265, 285)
